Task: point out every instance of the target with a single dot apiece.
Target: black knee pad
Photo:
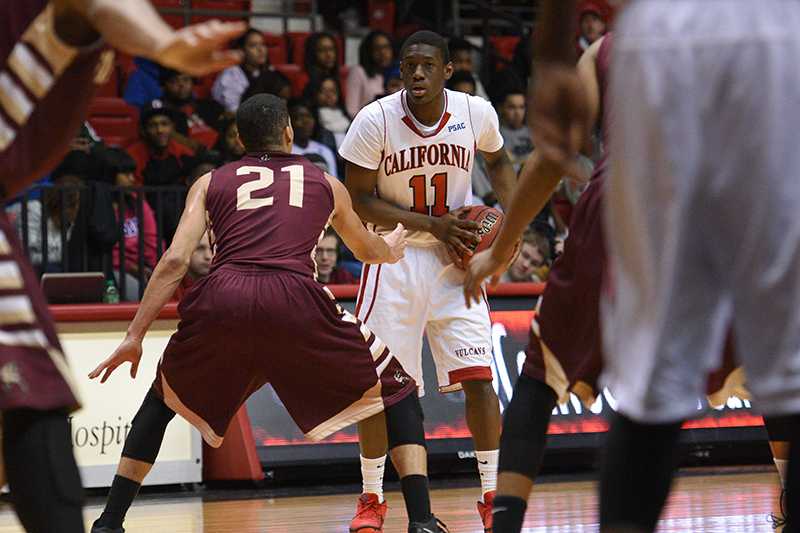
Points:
(404, 422)
(781, 428)
(525, 427)
(147, 429)
(42, 473)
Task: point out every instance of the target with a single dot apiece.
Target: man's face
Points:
(592, 27)
(528, 260)
(159, 129)
(512, 112)
(326, 256)
(462, 60)
(179, 88)
(424, 73)
(200, 261)
(255, 51)
(326, 53)
(302, 122)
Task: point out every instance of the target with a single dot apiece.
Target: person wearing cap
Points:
(161, 161)
(593, 19)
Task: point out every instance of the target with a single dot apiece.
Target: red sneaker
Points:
(370, 515)
(485, 510)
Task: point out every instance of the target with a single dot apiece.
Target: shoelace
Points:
(370, 507)
(779, 521)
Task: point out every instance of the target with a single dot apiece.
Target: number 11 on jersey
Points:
(419, 188)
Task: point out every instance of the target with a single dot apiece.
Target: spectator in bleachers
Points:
(515, 132)
(272, 83)
(319, 162)
(199, 266)
(482, 192)
(326, 257)
(304, 125)
(202, 165)
(461, 52)
(463, 82)
(59, 204)
(593, 22)
(522, 59)
(325, 98)
(228, 145)
(233, 81)
(365, 80)
(321, 57)
(144, 83)
(392, 82)
(191, 123)
(128, 218)
(533, 261)
(161, 161)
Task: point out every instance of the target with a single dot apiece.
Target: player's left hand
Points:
(481, 266)
(200, 49)
(129, 351)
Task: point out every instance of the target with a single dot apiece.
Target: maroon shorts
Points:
(33, 370)
(241, 328)
(565, 349)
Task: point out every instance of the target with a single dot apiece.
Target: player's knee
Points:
(479, 392)
(404, 422)
(147, 429)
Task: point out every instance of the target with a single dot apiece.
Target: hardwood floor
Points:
(712, 502)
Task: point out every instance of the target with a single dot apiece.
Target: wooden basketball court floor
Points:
(710, 501)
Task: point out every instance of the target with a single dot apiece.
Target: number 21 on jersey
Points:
(419, 190)
(266, 177)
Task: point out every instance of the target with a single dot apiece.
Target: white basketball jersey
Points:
(427, 169)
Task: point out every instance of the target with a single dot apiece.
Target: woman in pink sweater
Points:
(365, 80)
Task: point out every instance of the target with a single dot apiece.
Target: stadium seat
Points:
(295, 75)
(276, 49)
(220, 5)
(116, 122)
(505, 45)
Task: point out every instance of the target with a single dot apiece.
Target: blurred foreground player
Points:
(51, 53)
(261, 317)
(701, 242)
(565, 350)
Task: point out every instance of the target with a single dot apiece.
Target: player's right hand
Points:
(200, 49)
(481, 266)
(396, 241)
(129, 351)
(457, 234)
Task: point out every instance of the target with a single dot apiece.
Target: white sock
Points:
(487, 468)
(782, 465)
(372, 476)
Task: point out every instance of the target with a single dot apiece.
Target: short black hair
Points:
(459, 44)
(461, 76)
(261, 120)
(430, 38)
(294, 103)
(241, 41)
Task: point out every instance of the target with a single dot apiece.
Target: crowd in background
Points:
(140, 188)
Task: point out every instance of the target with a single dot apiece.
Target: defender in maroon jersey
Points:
(52, 55)
(261, 317)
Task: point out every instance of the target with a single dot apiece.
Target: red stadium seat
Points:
(202, 86)
(111, 88)
(296, 76)
(116, 122)
(220, 5)
(505, 45)
(276, 49)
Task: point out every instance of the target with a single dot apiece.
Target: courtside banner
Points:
(444, 413)
(99, 428)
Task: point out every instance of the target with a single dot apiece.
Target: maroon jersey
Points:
(45, 89)
(603, 67)
(268, 210)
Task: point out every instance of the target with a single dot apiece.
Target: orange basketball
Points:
(489, 221)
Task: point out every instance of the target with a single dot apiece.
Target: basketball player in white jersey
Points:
(409, 159)
(703, 201)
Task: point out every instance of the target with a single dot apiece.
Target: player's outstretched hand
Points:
(396, 241)
(481, 266)
(559, 115)
(129, 351)
(457, 234)
(199, 49)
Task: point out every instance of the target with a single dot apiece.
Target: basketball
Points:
(489, 221)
